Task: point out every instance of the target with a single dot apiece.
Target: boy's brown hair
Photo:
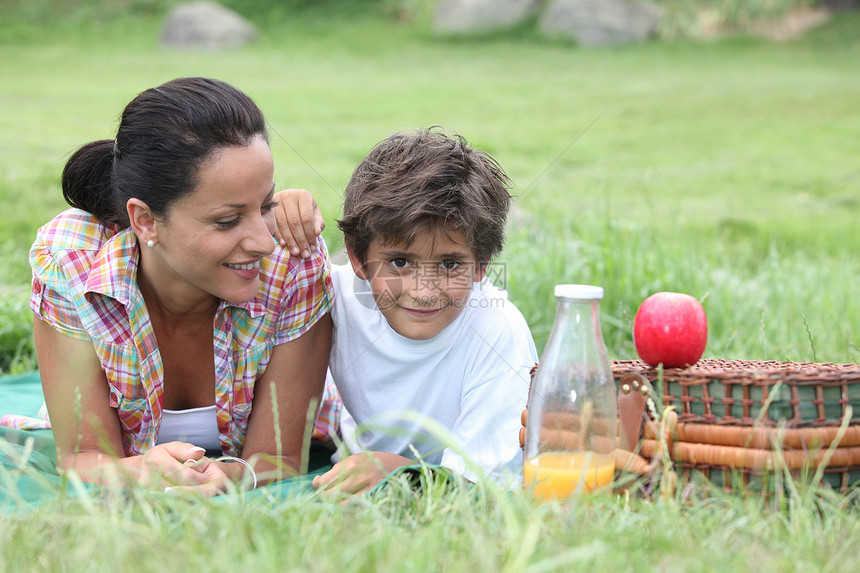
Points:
(426, 180)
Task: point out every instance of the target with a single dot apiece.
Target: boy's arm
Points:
(487, 430)
(495, 392)
(299, 221)
(359, 472)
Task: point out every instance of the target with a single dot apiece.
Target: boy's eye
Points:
(450, 264)
(400, 262)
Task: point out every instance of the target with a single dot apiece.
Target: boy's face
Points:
(422, 288)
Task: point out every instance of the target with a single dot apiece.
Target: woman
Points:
(166, 262)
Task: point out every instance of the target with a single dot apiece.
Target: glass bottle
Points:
(571, 424)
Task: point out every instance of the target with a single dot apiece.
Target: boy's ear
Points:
(480, 271)
(141, 220)
(358, 267)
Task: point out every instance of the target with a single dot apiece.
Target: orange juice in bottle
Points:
(572, 419)
(561, 474)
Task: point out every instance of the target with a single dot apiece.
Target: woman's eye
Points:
(265, 210)
(227, 224)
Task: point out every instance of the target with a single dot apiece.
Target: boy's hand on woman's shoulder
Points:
(359, 473)
(298, 221)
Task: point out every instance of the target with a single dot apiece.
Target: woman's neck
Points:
(171, 302)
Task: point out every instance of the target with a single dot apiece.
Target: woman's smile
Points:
(247, 271)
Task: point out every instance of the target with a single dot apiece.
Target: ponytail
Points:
(165, 134)
(88, 181)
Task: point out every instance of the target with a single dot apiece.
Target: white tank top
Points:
(198, 426)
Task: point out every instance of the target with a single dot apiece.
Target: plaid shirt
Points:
(85, 286)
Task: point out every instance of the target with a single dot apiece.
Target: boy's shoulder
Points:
(351, 292)
(340, 272)
(491, 313)
(344, 279)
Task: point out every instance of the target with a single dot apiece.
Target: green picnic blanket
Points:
(28, 471)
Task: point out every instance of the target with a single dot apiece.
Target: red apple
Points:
(670, 328)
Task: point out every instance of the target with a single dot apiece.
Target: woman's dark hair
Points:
(164, 136)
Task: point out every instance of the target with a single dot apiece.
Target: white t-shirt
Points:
(471, 381)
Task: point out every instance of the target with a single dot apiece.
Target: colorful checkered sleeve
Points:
(23, 422)
(311, 298)
(49, 304)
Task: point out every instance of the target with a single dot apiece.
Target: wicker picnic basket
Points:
(743, 423)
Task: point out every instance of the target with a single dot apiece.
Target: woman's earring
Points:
(150, 243)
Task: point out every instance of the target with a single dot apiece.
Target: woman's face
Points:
(211, 241)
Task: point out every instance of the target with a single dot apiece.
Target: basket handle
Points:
(633, 393)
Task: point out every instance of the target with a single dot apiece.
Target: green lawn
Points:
(723, 169)
(728, 170)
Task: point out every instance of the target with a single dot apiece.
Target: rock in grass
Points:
(595, 23)
(205, 25)
(841, 4)
(477, 16)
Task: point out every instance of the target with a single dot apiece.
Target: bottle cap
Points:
(581, 292)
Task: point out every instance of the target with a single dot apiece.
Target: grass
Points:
(721, 169)
(724, 169)
(455, 529)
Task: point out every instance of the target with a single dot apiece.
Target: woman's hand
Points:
(298, 220)
(178, 465)
(163, 466)
(359, 472)
(183, 467)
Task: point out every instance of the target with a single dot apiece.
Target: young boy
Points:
(419, 331)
